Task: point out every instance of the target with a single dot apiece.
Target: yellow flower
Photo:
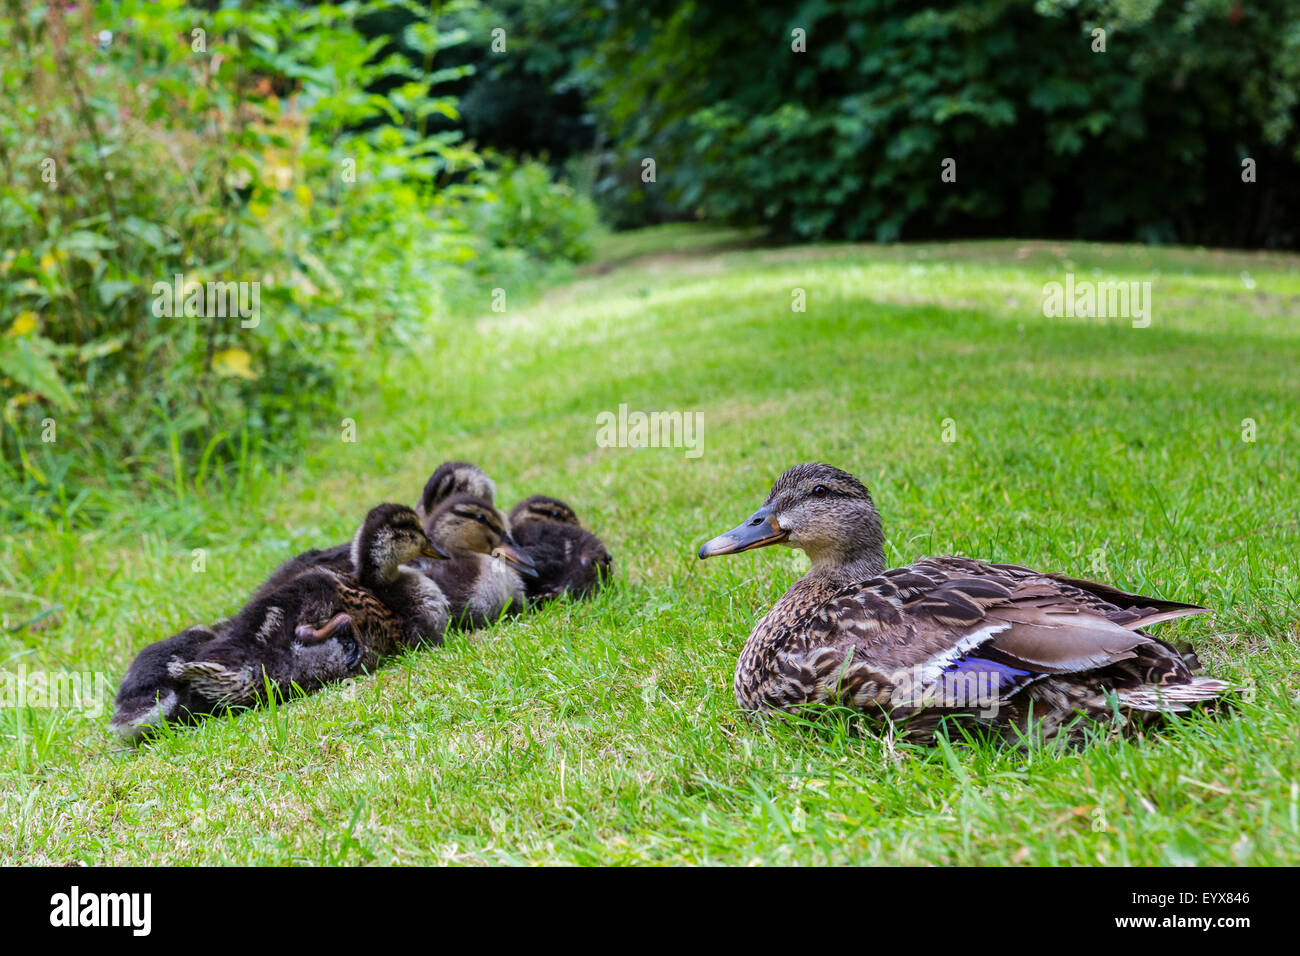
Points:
(234, 363)
(276, 173)
(25, 323)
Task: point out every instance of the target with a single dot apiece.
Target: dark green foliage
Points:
(1049, 137)
(524, 91)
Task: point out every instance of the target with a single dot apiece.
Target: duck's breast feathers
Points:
(940, 612)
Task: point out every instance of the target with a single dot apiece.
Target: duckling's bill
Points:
(431, 550)
(307, 634)
(759, 531)
(516, 557)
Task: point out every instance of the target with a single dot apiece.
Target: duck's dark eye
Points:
(480, 519)
(556, 514)
(821, 491)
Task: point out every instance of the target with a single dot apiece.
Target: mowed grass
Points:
(606, 732)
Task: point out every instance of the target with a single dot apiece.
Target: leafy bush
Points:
(151, 140)
(526, 209)
(847, 139)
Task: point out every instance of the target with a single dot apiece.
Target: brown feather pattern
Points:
(1054, 648)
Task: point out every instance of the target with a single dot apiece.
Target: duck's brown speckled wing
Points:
(913, 624)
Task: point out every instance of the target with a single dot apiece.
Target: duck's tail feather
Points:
(1175, 698)
(1168, 614)
(1127, 599)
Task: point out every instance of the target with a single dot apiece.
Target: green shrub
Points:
(231, 146)
(527, 209)
(848, 138)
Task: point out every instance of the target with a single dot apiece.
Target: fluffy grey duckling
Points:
(201, 670)
(484, 580)
(569, 558)
(449, 478)
(148, 694)
(317, 627)
(455, 478)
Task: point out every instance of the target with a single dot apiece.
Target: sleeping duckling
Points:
(981, 644)
(203, 670)
(569, 558)
(455, 478)
(337, 559)
(275, 640)
(149, 695)
(311, 629)
(543, 508)
(480, 587)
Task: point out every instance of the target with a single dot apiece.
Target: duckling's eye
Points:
(821, 491)
(480, 519)
(556, 514)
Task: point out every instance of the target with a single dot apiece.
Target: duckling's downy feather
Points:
(300, 631)
(569, 558)
(480, 587)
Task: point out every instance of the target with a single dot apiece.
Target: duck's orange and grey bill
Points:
(516, 557)
(759, 531)
(431, 550)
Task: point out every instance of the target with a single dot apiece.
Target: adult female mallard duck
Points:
(992, 644)
(319, 626)
(484, 580)
(569, 558)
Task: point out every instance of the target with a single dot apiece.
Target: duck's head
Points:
(542, 508)
(465, 524)
(823, 511)
(390, 537)
(453, 478)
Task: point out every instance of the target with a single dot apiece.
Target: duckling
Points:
(997, 645)
(323, 625)
(275, 641)
(452, 478)
(337, 559)
(569, 558)
(480, 588)
(390, 539)
(543, 508)
(309, 630)
(149, 695)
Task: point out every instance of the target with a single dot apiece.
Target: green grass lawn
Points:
(607, 732)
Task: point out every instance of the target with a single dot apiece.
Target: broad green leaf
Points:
(22, 360)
